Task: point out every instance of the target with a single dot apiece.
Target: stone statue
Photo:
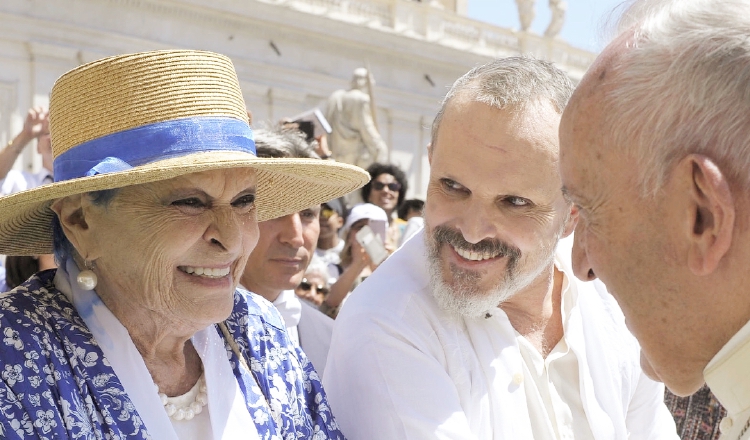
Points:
(558, 8)
(354, 138)
(526, 13)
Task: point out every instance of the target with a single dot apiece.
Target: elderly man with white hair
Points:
(655, 154)
(476, 328)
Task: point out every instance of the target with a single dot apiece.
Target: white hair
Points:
(317, 266)
(682, 86)
(509, 83)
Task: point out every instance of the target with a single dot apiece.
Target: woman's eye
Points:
(247, 200)
(192, 202)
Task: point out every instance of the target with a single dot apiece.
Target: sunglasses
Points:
(393, 186)
(306, 286)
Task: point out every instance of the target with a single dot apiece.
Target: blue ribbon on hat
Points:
(126, 149)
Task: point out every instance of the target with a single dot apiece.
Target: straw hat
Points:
(151, 116)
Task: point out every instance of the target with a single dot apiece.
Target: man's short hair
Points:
(283, 142)
(510, 83)
(682, 86)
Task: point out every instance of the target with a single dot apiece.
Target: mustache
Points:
(444, 234)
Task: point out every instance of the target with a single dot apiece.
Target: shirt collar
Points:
(726, 374)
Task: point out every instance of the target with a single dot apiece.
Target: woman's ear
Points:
(73, 213)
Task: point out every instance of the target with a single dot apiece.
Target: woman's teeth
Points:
(205, 271)
(474, 256)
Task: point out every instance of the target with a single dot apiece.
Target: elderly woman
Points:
(141, 332)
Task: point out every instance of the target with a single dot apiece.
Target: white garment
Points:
(400, 367)
(16, 181)
(332, 258)
(307, 327)
(727, 376)
(228, 412)
(552, 386)
(197, 428)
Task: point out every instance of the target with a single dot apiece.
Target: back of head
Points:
(283, 142)
(509, 83)
(694, 55)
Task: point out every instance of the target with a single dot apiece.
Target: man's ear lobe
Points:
(711, 213)
(72, 216)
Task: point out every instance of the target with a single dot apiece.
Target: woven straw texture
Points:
(127, 91)
(116, 94)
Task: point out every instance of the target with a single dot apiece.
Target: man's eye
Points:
(308, 214)
(517, 201)
(244, 201)
(452, 185)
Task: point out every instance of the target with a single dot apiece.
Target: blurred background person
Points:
(355, 262)
(314, 285)
(330, 244)
(387, 189)
(35, 127)
(285, 247)
(411, 212)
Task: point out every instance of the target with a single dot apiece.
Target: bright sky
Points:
(585, 20)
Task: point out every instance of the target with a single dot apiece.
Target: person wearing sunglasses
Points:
(314, 286)
(387, 189)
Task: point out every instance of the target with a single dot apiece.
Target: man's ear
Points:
(571, 222)
(429, 153)
(72, 212)
(711, 213)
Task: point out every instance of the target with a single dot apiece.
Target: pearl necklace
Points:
(189, 411)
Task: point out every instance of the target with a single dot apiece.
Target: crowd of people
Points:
(173, 273)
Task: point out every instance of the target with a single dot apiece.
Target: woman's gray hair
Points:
(682, 86)
(510, 83)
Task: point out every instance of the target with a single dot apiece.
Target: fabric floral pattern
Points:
(56, 383)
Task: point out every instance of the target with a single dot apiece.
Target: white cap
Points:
(378, 218)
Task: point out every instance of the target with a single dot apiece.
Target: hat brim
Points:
(284, 186)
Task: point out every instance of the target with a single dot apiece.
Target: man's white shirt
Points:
(307, 327)
(401, 367)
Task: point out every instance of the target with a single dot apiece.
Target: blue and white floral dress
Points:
(56, 382)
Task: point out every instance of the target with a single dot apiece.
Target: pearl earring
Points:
(87, 278)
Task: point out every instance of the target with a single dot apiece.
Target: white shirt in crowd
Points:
(307, 327)
(401, 367)
(17, 181)
(332, 258)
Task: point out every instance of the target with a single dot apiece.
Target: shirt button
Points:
(726, 425)
(517, 379)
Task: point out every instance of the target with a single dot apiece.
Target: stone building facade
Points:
(290, 54)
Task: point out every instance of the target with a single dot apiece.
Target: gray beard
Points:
(464, 297)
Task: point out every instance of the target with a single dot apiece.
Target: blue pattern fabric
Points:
(56, 383)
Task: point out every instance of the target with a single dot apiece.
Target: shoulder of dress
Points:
(34, 295)
(255, 308)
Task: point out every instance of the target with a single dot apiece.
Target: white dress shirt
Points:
(307, 327)
(552, 387)
(728, 376)
(400, 367)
